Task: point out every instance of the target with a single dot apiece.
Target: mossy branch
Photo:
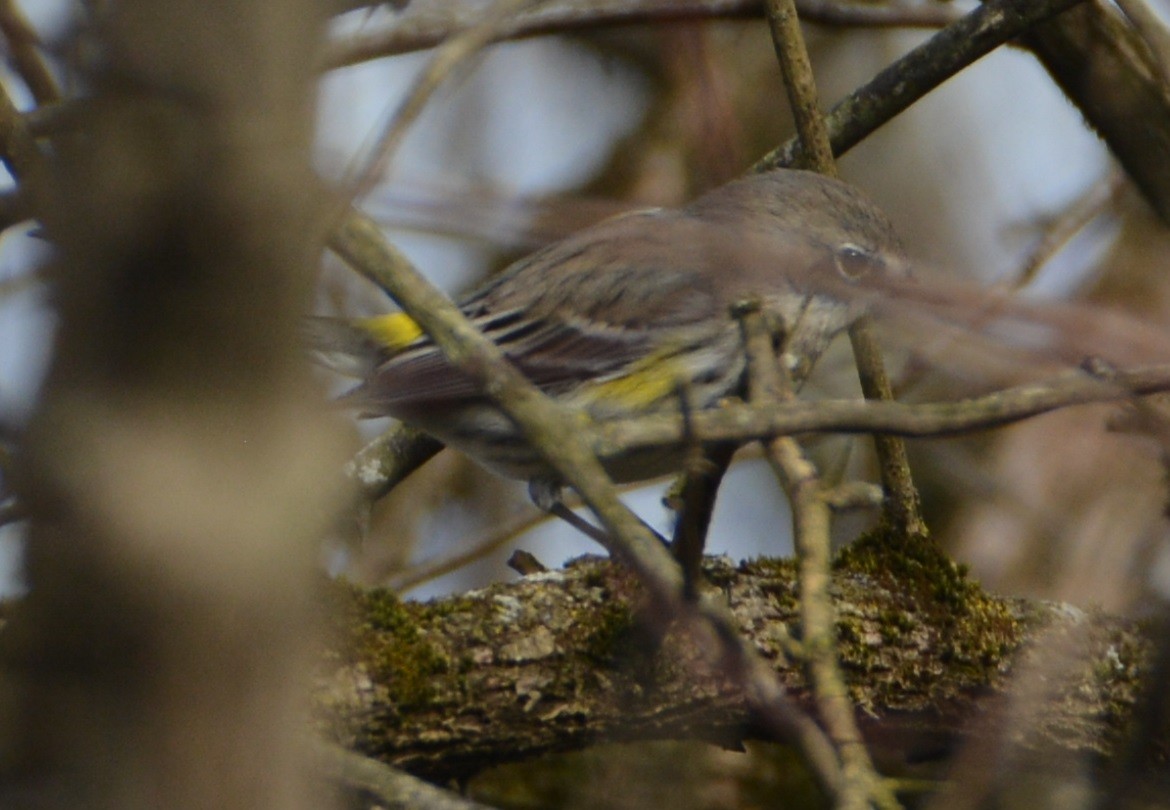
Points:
(559, 660)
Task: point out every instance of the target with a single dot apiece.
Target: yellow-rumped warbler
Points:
(617, 319)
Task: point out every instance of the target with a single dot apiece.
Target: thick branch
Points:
(558, 660)
(1105, 68)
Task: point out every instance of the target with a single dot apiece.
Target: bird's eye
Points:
(854, 262)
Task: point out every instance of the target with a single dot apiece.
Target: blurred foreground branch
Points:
(1114, 78)
(179, 468)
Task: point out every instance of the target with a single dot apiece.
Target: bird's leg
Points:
(695, 503)
(546, 494)
(693, 498)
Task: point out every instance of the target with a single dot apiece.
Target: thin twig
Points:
(811, 520)
(1071, 221)
(21, 155)
(426, 572)
(994, 23)
(418, 31)
(454, 54)
(801, 87)
(747, 422)
(902, 508)
(386, 461)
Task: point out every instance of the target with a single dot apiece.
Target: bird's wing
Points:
(578, 327)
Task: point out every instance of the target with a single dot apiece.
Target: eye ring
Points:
(854, 262)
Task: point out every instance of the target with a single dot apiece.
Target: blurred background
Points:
(992, 179)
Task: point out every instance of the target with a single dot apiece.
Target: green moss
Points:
(387, 639)
(610, 632)
(975, 631)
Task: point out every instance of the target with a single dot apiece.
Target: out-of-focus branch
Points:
(22, 157)
(1106, 69)
(180, 466)
(23, 49)
(388, 786)
(453, 55)
(425, 25)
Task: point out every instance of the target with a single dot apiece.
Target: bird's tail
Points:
(342, 345)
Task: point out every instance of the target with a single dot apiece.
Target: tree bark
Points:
(559, 660)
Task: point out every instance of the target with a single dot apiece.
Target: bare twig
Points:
(811, 520)
(878, 15)
(920, 71)
(21, 155)
(903, 509)
(453, 55)
(426, 572)
(1084, 210)
(386, 461)
(801, 87)
(417, 30)
(743, 423)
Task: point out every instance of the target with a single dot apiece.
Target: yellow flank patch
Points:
(648, 381)
(395, 331)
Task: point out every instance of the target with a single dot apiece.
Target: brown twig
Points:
(811, 520)
(743, 423)
(903, 508)
(417, 30)
(1069, 223)
(426, 572)
(386, 461)
(453, 55)
(21, 155)
(914, 75)
(801, 87)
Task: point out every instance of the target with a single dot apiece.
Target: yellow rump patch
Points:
(395, 331)
(648, 381)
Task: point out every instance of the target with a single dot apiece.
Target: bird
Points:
(633, 316)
